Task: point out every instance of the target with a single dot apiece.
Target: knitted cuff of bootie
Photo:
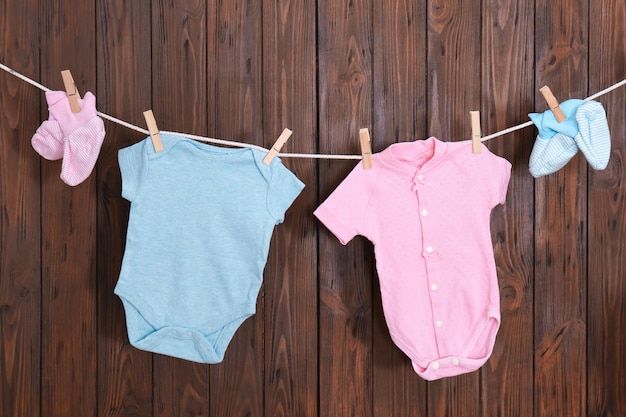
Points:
(548, 126)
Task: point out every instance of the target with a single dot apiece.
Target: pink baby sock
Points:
(83, 134)
(48, 139)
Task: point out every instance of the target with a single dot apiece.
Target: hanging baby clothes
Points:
(75, 137)
(585, 127)
(426, 207)
(199, 231)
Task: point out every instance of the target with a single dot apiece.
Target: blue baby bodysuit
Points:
(201, 220)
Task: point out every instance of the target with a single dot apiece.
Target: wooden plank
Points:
(235, 79)
(20, 234)
(454, 31)
(179, 78)
(272, 365)
(454, 48)
(345, 272)
(399, 59)
(561, 223)
(124, 373)
(68, 231)
(289, 101)
(606, 250)
(507, 80)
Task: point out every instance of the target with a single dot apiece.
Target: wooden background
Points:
(318, 345)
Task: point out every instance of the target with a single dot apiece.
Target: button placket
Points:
(429, 252)
(425, 221)
(423, 191)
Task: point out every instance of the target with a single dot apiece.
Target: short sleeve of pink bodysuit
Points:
(495, 173)
(345, 210)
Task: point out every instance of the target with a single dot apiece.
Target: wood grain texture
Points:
(454, 50)
(179, 78)
(124, 373)
(68, 231)
(179, 64)
(399, 103)
(237, 384)
(20, 211)
(606, 287)
(290, 279)
(319, 344)
(346, 273)
(507, 379)
(561, 223)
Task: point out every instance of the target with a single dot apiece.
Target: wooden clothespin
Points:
(282, 139)
(366, 147)
(475, 118)
(154, 130)
(553, 103)
(71, 90)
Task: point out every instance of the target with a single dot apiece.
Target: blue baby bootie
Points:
(550, 155)
(555, 144)
(548, 126)
(594, 138)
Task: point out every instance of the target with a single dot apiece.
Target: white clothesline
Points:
(288, 155)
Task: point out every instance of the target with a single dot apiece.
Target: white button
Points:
(434, 365)
(439, 323)
(420, 177)
(434, 287)
(424, 213)
(455, 361)
(430, 249)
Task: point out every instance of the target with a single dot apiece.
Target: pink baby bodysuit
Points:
(426, 207)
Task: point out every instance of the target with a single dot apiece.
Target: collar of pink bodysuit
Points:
(419, 155)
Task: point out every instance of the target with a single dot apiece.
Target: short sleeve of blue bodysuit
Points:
(283, 189)
(133, 165)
